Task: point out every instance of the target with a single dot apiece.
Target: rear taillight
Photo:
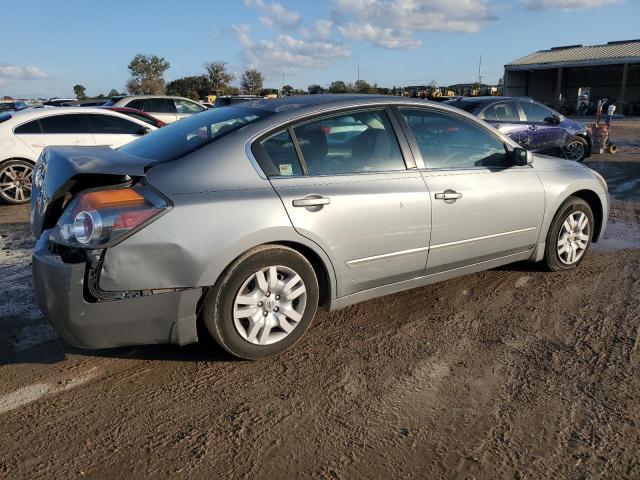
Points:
(98, 219)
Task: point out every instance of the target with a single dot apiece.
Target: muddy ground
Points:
(511, 373)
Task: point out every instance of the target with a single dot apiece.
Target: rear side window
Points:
(112, 125)
(447, 141)
(29, 128)
(192, 133)
(142, 118)
(159, 105)
(350, 143)
(71, 123)
(501, 112)
(277, 156)
(138, 104)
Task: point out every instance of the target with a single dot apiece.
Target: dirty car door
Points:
(353, 195)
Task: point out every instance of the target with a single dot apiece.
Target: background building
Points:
(559, 76)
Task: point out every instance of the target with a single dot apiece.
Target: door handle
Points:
(311, 201)
(449, 196)
(532, 127)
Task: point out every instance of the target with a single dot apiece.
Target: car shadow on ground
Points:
(56, 351)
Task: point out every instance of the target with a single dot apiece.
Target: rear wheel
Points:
(263, 303)
(15, 181)
(576, 149)
(570, 235)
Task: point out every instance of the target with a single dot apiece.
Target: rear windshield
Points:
(192, 133)
(471, 107)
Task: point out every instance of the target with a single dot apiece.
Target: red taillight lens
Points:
(99, 218)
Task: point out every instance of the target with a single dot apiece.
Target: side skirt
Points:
(427, 280)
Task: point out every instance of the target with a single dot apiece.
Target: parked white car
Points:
(24, 134)
(164, 107)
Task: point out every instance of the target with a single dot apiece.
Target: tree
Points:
(315, 89)
(268, 91)
(361, 86)
(217, 77)
(251, 81)
(113, 93)
(338, 87)
(196, 87)
(147, 74)
(287, 90)
(80, 92)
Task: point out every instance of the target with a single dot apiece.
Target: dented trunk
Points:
(62, 171)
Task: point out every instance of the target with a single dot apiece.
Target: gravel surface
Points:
(510, 373)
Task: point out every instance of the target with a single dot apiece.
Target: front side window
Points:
(350, 143)
(447, 141)
(501, 112)
(71, 123)
(186, 107)
(192, 133)
(112, 125)
(536, 113)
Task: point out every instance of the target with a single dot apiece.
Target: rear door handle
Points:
(311, 201)
(448, 196)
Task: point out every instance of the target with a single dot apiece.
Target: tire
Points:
(15, 181)
(557, 257)
(576, 149)
(237, 293)
(612, 148)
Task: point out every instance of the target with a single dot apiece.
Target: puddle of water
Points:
(619, 236)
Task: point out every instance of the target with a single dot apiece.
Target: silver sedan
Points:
(248, 218)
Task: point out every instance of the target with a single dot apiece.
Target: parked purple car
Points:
(534, 126)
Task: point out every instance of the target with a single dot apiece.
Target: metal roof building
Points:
(559, 75)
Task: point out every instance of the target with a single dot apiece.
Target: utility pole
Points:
(480, 73)
(358, 73)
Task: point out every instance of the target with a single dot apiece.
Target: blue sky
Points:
(50, 46)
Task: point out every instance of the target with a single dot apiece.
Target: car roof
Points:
(131, 97)
(35, 113)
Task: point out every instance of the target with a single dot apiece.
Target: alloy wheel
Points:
(15, 182)
(574, 150)
(573, 238)
(269, 305)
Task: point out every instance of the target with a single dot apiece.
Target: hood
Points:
(62, 170)
(545, 163)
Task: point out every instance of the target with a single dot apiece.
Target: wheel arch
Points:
(586, 138)
(24, 159)
(595, 204)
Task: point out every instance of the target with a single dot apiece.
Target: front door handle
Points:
(311, 201)
(449, 196)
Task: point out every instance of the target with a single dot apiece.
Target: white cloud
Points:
(323, 28)
(20, 72)
(566, 5)
(287, 53)
(391, 23)
(275, 15)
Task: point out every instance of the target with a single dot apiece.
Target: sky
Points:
(49, 46)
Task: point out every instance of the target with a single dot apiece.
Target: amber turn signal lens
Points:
(110, 198)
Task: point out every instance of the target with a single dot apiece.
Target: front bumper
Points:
(59, 287)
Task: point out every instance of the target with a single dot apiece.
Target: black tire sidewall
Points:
(15, 161)
(572, 204)
(218, 307)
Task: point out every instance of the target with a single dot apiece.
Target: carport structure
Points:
(555, 76)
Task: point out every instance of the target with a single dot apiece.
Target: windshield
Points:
(192, 133)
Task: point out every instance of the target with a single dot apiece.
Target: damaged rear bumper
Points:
(59, 287)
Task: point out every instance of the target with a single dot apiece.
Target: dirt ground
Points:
(511, 373)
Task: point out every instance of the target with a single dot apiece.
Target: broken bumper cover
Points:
(59, 287)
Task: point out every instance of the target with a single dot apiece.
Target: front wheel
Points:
(15, 181)
(570, 235)
(576, 149)
(263, 303)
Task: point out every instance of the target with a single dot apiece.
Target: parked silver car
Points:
(249, 217)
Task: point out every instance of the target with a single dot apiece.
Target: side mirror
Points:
(554, 120)
(521, 157)
(144, 131)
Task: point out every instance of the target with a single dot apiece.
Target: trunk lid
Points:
(63, 170)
